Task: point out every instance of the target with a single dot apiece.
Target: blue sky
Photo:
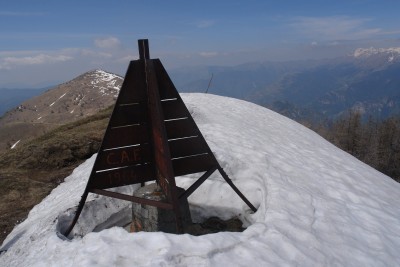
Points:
(44, 42)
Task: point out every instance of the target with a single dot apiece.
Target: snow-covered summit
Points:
(317, 205)
(391, 53)
(105, 80)
(106, 76)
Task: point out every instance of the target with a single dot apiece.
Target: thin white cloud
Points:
(109, 42)
(208, 54)
(94, 57)
(336, 28)
(51, 66)
(12, 62)
(204, 23)
(19, 14)
(127, 59)
(390, 32)
(93, 53)
(19, 53)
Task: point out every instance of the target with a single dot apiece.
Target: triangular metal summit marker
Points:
(151, 136)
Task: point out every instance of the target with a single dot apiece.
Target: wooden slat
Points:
(133, 88)
(180, 128)
(125, 136)
(128, 114)
(166, 87)
(200, 163)
(123, 157)
(120, 177)
(174, 109)
(188, 146)
(144, 201)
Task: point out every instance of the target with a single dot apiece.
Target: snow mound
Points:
(317, 205)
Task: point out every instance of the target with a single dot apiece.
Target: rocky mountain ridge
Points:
(392, 52)
(81, 97)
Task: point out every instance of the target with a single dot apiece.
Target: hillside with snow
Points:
(317, 205)
(83, 96)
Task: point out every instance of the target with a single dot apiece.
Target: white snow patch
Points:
(57, 100)
(39, 118)
(106, 76)
(80, 98)
(317, 205)
(367, 52)
(105, 81)
(62, 96)
(14, 145)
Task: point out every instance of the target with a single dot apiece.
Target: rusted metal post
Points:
(77, 213)
(229, 181)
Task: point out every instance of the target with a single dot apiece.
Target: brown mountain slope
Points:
(30, 171)
(67, 102)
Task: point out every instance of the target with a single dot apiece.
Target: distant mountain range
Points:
(367, 81)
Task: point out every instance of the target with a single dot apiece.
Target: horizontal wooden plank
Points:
(180, 128)
(200, 163)
(128, 114)
(133, 88)
(174, 109)
(144, 201)
(124, 176)
(125, 136)
(123, 157)
(188, 146)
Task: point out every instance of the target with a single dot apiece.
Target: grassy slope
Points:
(29, 172)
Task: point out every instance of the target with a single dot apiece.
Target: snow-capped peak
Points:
(105, 76)
(105, 80)
(392, 52)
